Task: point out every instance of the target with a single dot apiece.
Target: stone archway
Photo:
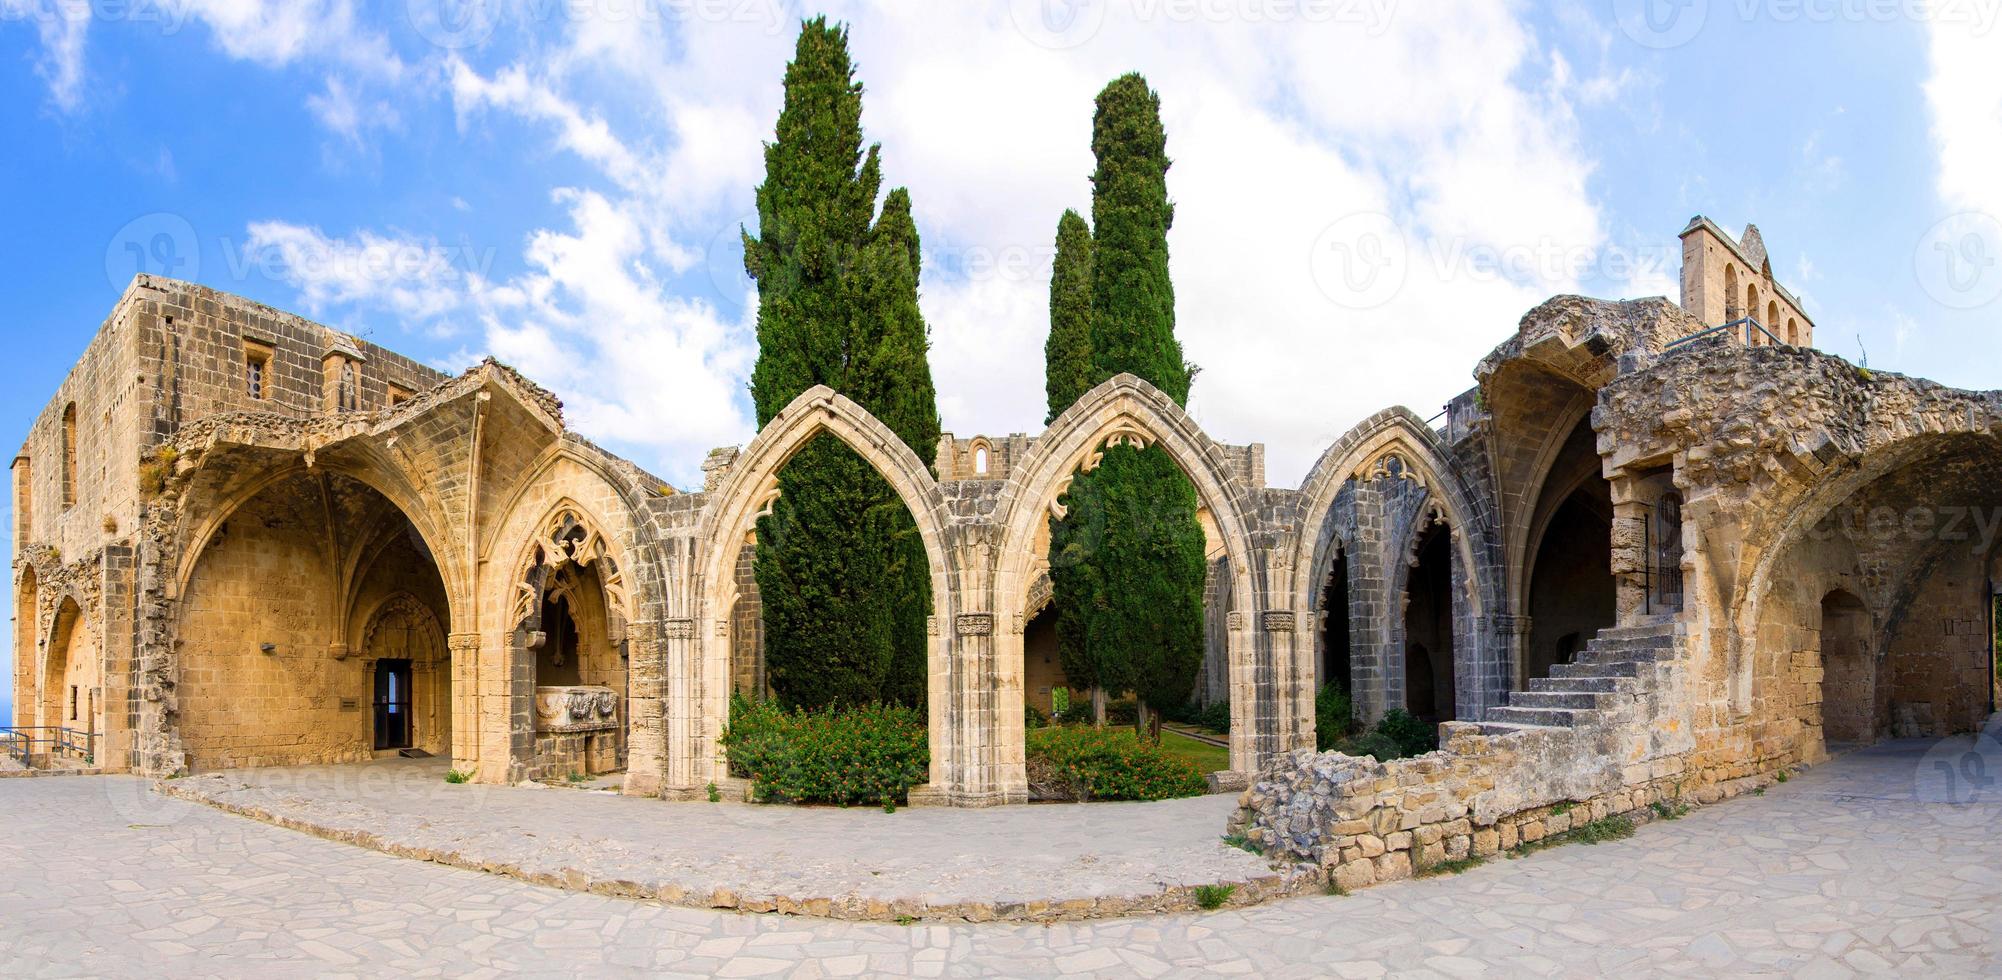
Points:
(276, 623)
(72, 683)
(27, 618)
(403, 628)
(1270, 702)
(1394, 449)
(567, 643)
(700, 644)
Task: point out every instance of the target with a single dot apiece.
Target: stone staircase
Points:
(1612, 668)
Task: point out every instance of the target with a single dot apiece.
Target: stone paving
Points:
(1837, 872)
(1038, 862)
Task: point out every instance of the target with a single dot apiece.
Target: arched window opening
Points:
(556, 661)
(1730, 293)
(1664, 571)
(1772, 321)
(980, 460)
(1793, 332)
(69, 455)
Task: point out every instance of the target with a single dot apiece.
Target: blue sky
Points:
(559, 182)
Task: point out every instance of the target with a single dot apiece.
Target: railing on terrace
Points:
(27, 744)
(1745, 330)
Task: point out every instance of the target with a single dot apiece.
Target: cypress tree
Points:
(896, 385)
(837, 305)
(1067, 369)
(1140, 605)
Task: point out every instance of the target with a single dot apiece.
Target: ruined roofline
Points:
(1701, 222)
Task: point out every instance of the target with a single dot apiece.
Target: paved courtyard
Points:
(1020, 862)
(1839, 871)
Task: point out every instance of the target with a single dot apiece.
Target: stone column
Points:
(1630, 557)
(464, 651)
(646, 734)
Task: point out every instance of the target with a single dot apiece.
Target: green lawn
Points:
(1208, 758)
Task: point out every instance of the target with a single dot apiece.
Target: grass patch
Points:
(1781, 776)
(1562, 808)
(577, 777)
(1213, 896)
(1243, 843)
(715, 795)
(1616, 827)
(1669, 811)
(1205, 757)
(456, 777)
(1450, 867)
(1335, 888)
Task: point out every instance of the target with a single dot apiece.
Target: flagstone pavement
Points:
(1840, 871)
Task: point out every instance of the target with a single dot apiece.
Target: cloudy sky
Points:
(1369, 193)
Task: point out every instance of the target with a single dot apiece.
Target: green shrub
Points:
(1334, 717)
(1216, 717)
(1033, 719)
(1213, 896)
(1108, 764)
(456, 777)
(872, 754)
(1122, 712)
(1413, 737)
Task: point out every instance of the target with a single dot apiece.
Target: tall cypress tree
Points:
(1067, 375)
(833, 310)
(1067, 369)
(896, 385)
(1135, 520)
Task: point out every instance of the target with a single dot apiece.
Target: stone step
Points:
(1626, 650)
(1571, 685)
(1597, 668)
(1546, 717)
(1580, 700)
(1505, 728)
(1667, 629)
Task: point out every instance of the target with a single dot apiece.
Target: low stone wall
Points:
(1362, 822)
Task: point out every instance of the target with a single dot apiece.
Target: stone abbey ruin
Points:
(1659, 550)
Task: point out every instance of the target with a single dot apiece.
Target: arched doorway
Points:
(73, 686)
(1571, 591)
(1428, 628)
(27, 613)
(1848, 672)
(296, 597)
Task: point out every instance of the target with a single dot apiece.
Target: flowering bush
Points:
(869, 755)
(1106, 764)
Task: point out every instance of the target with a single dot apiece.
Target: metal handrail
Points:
(1747, 323)
(16, 741)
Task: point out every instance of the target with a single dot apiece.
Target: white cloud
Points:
(412, 278)
(62, 27)
(1278, 131)
(1964, 94)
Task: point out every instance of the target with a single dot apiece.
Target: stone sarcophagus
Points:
(576, 709)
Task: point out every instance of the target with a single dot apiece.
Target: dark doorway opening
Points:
(392, 704)
(1335, 665)
(556, 663)
(1428, 629)
(1848, 672)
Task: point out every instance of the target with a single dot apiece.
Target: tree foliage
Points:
(1127, 561)
(840, 566)
(1067, 367)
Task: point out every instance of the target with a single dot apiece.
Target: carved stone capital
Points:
(974, 624)
(680, 629)
(1279, 621)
